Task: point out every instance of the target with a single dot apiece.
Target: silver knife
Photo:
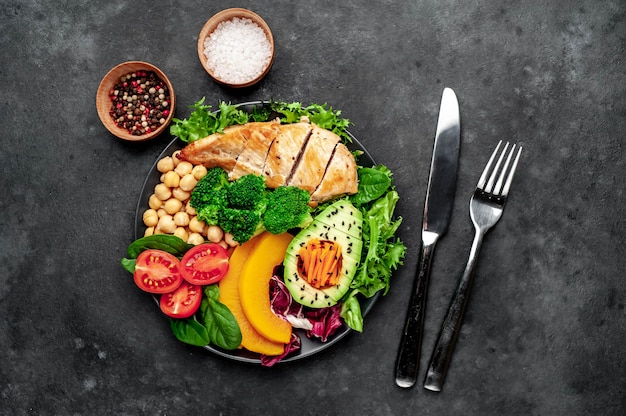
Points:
(437, 212)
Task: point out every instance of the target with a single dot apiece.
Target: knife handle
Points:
(407, 363)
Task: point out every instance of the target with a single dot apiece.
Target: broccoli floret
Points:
(287, 207)
(243, 224)
(204, 192)
(247, 192)
(208, 198)
(214, 201)
(244, 208)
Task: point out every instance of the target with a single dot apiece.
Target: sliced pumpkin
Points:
(251, 339)
(254, 286)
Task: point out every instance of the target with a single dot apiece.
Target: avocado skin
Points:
(342, 223)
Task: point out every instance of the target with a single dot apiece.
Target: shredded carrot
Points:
(319, 263)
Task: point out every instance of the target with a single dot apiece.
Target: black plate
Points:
(308, 346)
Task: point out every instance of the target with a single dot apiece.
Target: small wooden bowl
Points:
(224, 16)
(103, 100)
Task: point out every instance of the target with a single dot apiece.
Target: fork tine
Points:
(498, 187)
(489, 187)
(483, 177)
(507, 185)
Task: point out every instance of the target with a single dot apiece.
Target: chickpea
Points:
(161, 212)
(228, 238)
(183, 168)
(166, 224)
(195, 239)
(171, 179)
(181, 219)
(181, 233)
(189, 209)
(199, 172)
(214, 234)
(150, 218)
(197, 226)
(165, 165)
(180, 194)
(154, 202)
(172, 206)
(149, 231)
(162, 192)
(187, 182)
(175, 158)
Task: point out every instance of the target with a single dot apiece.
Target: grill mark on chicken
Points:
(285, 153)
(251, 160)
(310, 169)
(339, 178)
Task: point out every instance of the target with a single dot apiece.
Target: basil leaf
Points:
(169, 243)
(129, 264)
(221, 324)
(373, 183)
(212, 292)
(190, 331)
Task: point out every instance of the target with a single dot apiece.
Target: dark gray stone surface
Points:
(545, 329)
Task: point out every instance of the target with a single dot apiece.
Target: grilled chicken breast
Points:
(285, 152)
(251, 160)
(315, 157)
(219, 149)
(340, 176)
(299, 154)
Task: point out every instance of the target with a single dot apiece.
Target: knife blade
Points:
(437, 211)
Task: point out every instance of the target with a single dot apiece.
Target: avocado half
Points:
(342, 224)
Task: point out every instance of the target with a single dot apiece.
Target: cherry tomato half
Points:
(183, 302)
(157, 271)
(204, 264)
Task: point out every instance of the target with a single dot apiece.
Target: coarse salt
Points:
(237, 51)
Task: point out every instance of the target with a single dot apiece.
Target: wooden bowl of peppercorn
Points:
(135, 101)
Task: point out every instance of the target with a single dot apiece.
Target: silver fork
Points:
(486, 206)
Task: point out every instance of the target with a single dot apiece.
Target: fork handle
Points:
(407, 362)
(451, 326)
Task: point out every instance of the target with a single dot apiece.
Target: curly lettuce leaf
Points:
(382, 251)
(320, 114)
(203, 122)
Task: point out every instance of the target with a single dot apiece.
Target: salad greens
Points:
(218, 327)
(382, 251)
(190, 331)
(220, 323)
(326, 118)
(203, 122)
(165, 242)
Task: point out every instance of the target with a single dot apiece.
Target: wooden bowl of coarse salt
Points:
(236, 47)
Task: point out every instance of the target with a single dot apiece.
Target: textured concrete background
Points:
(545, 329)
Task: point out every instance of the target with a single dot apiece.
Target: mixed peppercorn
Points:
(140, 102)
